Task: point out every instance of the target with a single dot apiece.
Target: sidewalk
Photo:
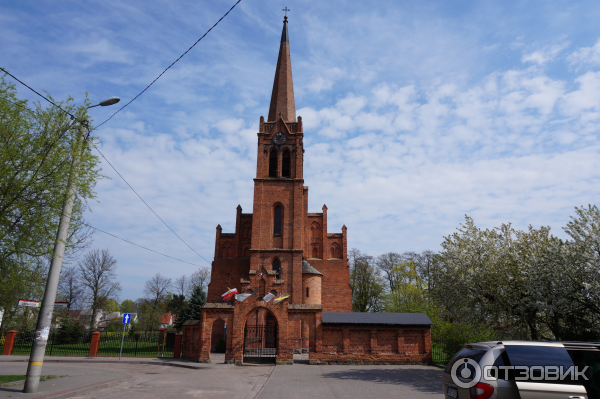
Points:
(73, 380)
(161, 361)
(108, 378)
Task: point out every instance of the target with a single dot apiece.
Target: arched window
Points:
(315, 253)
(261, 289)
(307, 292)
(277, 221)
(273, 164)
(276, 266)
(285, 164)
(336, 252)
(315, 231)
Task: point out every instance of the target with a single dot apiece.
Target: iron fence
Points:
(137, 345)
(61, 343)
(444, 348)
(58, 344)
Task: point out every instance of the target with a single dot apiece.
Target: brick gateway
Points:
(282, 249)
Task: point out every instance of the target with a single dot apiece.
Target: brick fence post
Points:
(94, 344)
(9, 342)
(177, 346)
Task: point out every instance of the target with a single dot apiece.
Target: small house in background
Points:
(167, 319)
(105, 320)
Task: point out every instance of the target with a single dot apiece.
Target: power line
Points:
(174, 62)
(145, 203)
(121, 176)
(44, 97)
(119, 110)
(137, 245)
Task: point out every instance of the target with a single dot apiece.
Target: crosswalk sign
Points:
(126, 318)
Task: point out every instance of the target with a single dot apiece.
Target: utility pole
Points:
(42, 330)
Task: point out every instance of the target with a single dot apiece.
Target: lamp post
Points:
(42, 331)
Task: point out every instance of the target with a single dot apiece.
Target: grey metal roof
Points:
(308, 269)
(406, 319)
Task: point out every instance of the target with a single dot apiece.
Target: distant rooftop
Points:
(406, 319)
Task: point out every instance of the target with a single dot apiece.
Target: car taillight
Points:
(482, 391)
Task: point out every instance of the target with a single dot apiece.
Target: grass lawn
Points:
(11, 378)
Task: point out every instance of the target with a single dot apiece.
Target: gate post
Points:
(177, 346)
(9, 342)
(94, 343)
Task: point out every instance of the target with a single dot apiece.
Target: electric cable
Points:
(174, 62)
(121, 176)
(44, 97)
(137, 245)
(145, 203)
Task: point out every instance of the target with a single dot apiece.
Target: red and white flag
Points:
(227, 296)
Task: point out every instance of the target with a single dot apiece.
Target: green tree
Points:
(368, 290)
(111, 305)
(176, 303)
(193, 310)
(36, 148)
(98, 279)
(127, 306)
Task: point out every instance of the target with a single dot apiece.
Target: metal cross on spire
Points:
(286, 10)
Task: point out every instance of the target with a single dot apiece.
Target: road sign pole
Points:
(122, 339)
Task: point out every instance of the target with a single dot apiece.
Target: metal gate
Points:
(260, 343)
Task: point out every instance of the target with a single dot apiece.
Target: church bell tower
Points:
(279, 195)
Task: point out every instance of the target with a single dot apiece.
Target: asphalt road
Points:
(235, 382)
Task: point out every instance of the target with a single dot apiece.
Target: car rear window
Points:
(475, 354)
(540, 356)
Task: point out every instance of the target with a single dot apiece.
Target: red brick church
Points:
(284, 250)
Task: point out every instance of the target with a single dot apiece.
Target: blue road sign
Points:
(126, 318)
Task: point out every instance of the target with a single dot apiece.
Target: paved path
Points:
(107, 378)
(305, 381)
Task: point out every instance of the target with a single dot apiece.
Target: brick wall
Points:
(373, 344)
(336, 293)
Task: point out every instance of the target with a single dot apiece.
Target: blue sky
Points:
(415, 113)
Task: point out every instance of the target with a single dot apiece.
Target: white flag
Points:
(241, 297)
(268, 297)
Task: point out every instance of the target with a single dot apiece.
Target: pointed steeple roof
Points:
(282, 98)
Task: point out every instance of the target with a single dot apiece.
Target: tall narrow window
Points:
(307, 292)
(277, 266)
(277, 221)
(273, 164)
(285, 165)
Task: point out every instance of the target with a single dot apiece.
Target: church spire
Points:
(282, 98)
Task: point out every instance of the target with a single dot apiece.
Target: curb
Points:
(88, 388)
(187, 366)
(260, 391)
(74, 391)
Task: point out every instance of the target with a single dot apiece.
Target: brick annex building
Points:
(281, 248)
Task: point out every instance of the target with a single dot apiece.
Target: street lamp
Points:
(42, 331)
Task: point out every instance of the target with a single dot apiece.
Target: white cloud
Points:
(545, 54)
(586, 55)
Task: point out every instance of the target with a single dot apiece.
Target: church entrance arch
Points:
(260, 337)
